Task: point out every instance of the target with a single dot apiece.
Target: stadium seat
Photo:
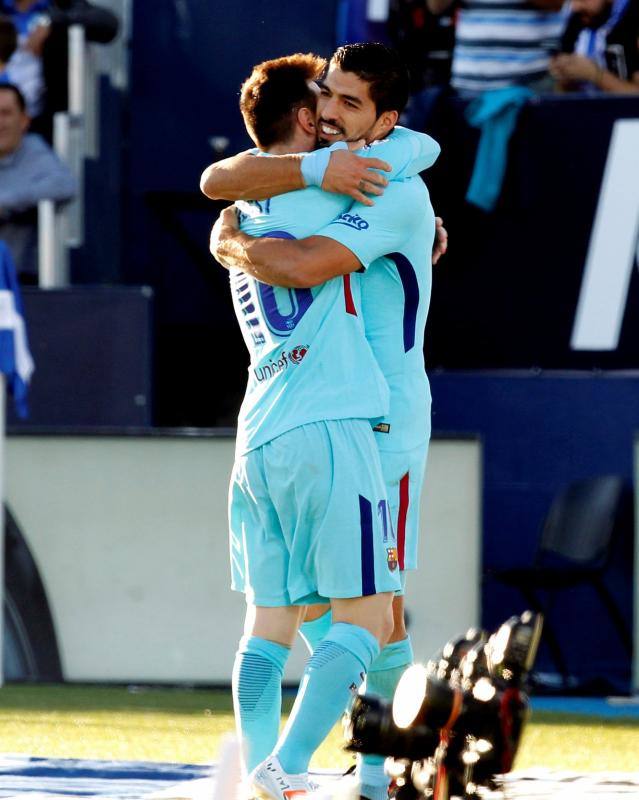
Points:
(587, 520)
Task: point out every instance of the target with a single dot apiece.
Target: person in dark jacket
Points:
(600, 48)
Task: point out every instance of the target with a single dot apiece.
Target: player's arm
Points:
(353, 240)
(249, 177)
(370, 233)
(295, 264)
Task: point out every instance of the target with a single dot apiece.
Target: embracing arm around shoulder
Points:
(295, 264)
(248, 177)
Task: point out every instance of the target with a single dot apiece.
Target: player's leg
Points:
(257, 677)
(404, 477)
(316, 624)
(381, 680)
(333, 673)
(259, 563)
(348, 555)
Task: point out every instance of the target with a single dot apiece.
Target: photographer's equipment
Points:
(456, 722)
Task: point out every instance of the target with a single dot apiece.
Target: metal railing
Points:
(76, 137)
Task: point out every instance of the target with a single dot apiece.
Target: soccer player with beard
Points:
(363, 86)
(280, 559)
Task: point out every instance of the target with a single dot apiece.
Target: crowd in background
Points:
(33, 87)
(546, 45)
(502, 51)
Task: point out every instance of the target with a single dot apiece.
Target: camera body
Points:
(455, 723)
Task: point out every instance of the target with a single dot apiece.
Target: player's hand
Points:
(440, 244)
(355, 176)
(226, 226)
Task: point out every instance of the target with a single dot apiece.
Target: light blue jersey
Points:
(310, 359)
(393, 240)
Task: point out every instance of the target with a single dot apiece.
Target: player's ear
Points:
(385, 123)
(306, 119)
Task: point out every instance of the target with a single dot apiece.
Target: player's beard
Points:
(322, 142)
(366, 135)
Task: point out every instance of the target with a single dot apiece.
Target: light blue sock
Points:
(313, 632)
(333, 672)
(381, 680)
(257, 696)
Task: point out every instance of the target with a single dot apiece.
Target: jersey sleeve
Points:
(371, 232)
(408, 152)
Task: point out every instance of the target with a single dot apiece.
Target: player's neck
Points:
(298, 143)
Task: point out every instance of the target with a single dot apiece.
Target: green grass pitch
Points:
(180, 725)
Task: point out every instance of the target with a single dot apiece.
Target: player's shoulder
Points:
(404, 193)
(417, 141)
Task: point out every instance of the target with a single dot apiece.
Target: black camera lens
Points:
(370, 728)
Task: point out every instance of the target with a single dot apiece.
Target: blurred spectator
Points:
(8, 45)
(500, 45)
(42, 56)
(600, 47)
(29, 171)
(424, 41)
(25, 65)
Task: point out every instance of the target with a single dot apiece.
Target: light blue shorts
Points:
(404, 477)
(308, 517)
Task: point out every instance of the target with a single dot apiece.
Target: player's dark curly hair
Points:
(274, 92)
(382, 68)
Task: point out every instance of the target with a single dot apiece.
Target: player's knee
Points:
(386, 629)
(399, 631)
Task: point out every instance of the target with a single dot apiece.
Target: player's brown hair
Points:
(274, 92)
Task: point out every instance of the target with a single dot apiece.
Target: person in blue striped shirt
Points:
(503, 43)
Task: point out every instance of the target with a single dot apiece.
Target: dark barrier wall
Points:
(506, 294)
(540, 431)
(93, 354)
(188, 62)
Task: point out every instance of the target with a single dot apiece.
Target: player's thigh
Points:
(258, 551)
(404, 478)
